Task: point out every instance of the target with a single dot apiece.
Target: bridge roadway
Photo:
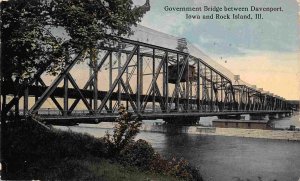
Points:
(109, 117)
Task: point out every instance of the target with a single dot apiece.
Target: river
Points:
(222, 158)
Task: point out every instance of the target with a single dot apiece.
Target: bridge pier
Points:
(235, 117)
(273, 116)
(258, 116)
(182, 120)
(288, 114)
(281, 115)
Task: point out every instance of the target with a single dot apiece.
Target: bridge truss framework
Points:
(139, 78)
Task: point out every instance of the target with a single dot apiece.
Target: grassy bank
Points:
(34, 152)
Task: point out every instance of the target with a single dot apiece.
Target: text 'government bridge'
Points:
(154, 75)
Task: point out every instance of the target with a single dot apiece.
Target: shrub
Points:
(174, 167)
(139, 154)
(124, 132)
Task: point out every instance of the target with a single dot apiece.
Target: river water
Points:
(221, 158)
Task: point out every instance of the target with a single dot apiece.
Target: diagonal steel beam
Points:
(154, 79)
(126, 89)
(89, 82)
(54, 85)
(32, 80)
(117, 80)
(52, 97)
(161, 103)
(86, 103)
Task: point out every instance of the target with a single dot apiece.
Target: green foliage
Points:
(124, 132)
(26, 42)
(139, 154)
(116, 172)
(174, 167)
(89, 23)
(27, 26)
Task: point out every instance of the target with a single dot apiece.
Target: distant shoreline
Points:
(234, 132)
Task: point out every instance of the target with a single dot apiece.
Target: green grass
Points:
(115, 172)
(93, 169)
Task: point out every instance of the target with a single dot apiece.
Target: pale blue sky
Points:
(278, 31)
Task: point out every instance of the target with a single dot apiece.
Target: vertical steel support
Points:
(119, 72)
(66, 106)
(153, 75)
(94, 60)
(188, 86)
(216, 94)
(110, 79)
(178, 72)
(164, 77)
(211, 92)
(166, 82)
(249, 99)
(127, 81)
(204, 90)
(141, 77)
(66, 86)
(90, 75)
(222, 101)
(139, 72)
(198, 85)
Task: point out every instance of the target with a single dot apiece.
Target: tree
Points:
(28, 42)
(90, 23)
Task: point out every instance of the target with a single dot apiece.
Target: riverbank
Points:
(31, 151)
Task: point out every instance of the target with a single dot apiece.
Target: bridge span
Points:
(152, 82)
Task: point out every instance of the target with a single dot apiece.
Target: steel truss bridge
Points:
(150, 81)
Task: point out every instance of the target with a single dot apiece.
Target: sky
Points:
(263, 52)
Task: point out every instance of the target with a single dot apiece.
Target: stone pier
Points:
(281, 115)
(257, 116)
(182, 120)
(273, 116)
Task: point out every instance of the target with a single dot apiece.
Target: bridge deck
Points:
(109, 117)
